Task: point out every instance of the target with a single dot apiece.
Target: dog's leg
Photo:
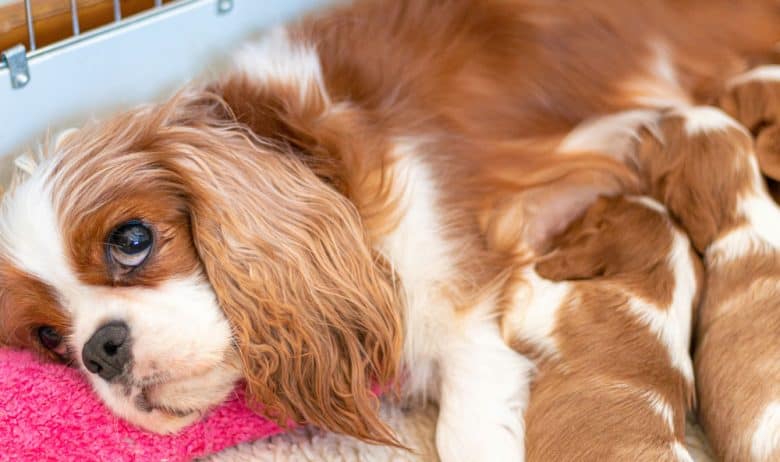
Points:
(484, 393)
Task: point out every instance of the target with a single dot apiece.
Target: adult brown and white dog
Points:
(343, 208)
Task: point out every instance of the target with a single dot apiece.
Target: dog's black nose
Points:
(108, 351)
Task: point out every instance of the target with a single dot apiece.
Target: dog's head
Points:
(700, 163)
(603, 241)
(171, 251)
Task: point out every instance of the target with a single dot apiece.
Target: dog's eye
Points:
(130, 244)
(49, 338)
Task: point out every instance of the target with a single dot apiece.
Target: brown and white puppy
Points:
(608, 319)
(702, 164)
(343, 206)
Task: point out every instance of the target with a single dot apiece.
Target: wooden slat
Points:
(53, 21)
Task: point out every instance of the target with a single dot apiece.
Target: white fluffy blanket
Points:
(416, 428)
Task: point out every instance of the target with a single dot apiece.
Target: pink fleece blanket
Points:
(49, 413)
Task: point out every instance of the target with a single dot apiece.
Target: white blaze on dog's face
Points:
(111, 269)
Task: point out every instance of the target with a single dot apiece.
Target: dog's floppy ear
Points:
(323, 139)
(578, 250)
(571, 263)
(768, 151)
(314, 314)
(667, 154)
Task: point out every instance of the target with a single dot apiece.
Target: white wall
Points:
(139, 62)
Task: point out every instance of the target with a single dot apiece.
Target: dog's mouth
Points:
(165, 399)
(145, 393)
(154, 379)
(145, 403)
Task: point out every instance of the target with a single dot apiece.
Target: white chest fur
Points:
(424, 262)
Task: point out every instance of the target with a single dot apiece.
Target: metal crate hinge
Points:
(224, 6)
(16, 60)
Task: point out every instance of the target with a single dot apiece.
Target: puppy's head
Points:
(753, 99)
(604, 241)
(768, 152)
(170, 252)
(699, 162)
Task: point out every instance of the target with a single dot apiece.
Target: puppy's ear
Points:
(578, 251)
(672, 165)
(755, 103)
(314, 314)
(569, 264)
(768, 151)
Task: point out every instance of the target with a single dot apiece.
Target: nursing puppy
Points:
(609, 321)
(702, 164)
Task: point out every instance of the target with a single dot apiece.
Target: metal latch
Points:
(224, 6)
(16, 60)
